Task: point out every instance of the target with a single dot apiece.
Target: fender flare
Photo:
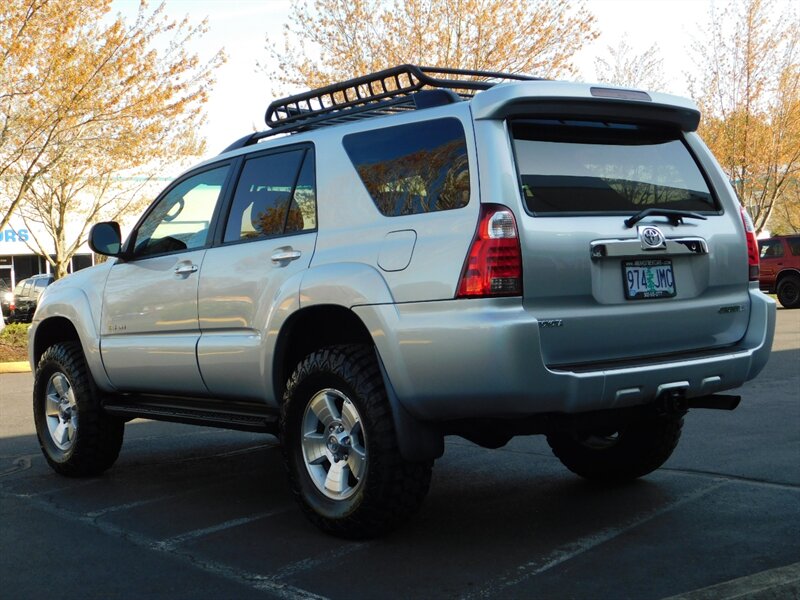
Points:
(73, 305)
(358, 285)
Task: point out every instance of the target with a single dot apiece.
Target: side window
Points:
(275, 196)
(181, 219)
(794, 246)
(414, 168)
(771, 249)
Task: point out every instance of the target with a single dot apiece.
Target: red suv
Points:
(780, 268)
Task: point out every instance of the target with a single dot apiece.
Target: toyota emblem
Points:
(651, 238)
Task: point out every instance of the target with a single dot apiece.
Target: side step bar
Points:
(211, 413)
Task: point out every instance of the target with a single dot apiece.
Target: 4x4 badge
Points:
(651, 238)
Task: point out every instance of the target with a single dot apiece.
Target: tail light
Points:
(752, 244)
(494, 263)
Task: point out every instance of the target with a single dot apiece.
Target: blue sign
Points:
(10, 235)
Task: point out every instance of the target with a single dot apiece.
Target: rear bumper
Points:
(481, 358)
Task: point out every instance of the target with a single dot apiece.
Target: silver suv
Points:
(423, 252)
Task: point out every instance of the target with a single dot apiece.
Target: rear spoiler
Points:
(581, 102)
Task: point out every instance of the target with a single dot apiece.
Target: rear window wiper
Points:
(675, 217)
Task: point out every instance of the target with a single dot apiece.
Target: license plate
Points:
(646, 279)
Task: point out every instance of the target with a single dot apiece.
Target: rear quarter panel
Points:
(352, 230)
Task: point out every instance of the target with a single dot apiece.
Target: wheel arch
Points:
(65, 315)
(52, 331)
(316, 327)
(784, 273)
(310, 329)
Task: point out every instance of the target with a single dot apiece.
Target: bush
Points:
(14, 342)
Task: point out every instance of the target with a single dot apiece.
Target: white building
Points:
(20, 257)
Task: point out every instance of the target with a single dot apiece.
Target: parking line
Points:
(499, 585)
(733, 478)
(119, 507)
(20, 463)
(307, 564)
(782, 582)
(238, 452)
(257, 581)
(173, 542)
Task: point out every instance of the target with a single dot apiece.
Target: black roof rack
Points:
(398, 89)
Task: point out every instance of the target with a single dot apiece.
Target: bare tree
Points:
(65, 201)
(625, 68)
(749, 93)
(79, 91)
(339, 39)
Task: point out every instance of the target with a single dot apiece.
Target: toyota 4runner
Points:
(423, 252)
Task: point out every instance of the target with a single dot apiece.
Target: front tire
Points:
(76, 437)
(634, 450)
(789, 292)
(340, 446)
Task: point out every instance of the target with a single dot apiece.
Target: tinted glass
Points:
(181, 219)
(414, 168)
(770, 249)
(274, 195)
(794, 245)
(568, 167)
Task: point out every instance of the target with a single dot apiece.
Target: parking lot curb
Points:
(15, 367)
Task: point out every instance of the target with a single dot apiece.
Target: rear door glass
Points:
(413, 168)
(770, 249)
(275, 196)
(593, 167)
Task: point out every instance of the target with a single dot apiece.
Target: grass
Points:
(14, 342)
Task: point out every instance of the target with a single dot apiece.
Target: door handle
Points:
(185, 269)
(280, 256)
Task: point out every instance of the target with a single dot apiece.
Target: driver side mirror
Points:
(105, 238)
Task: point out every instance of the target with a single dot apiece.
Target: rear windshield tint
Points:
(582, 166)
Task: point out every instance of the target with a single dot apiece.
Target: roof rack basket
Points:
(397, 89)
(387, 91)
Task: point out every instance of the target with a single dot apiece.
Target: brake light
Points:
(494, 263)
(752, 244)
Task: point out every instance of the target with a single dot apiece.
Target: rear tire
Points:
(616, 456)
(76, 437)
(340, 446)
(789, 291)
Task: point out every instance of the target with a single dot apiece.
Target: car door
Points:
(268, 239)
(771, 260)
(149, 321)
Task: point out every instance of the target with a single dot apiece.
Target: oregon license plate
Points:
(646, 279)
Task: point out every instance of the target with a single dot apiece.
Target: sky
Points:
(240, 97)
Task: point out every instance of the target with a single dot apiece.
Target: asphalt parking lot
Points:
(190, 512)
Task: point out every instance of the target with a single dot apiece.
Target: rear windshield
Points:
(585, 166)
